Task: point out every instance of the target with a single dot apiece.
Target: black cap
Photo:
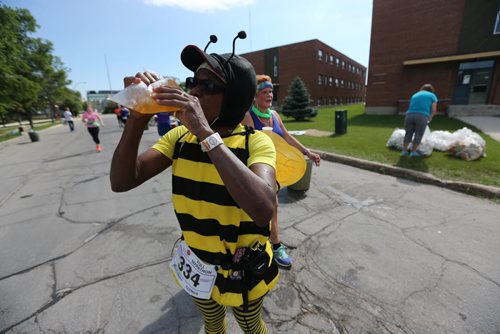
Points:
(238, 74)
(192, 57)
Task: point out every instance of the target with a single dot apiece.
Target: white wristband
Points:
(211, 142)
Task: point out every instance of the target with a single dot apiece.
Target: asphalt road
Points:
(371, 252)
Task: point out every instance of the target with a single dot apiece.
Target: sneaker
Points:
(281, 257)
(404, 153)
(98, 148)
(416, 154)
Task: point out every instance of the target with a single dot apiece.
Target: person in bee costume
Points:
(223, 186)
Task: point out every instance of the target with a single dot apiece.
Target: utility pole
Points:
(107, 71)
(76, 85)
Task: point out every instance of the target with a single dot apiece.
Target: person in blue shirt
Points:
(163, 123)
(124, 113)
(423, 106)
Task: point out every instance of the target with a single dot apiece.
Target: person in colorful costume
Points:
(223, 186)
(261, 115)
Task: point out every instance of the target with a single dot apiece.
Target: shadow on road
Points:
(181, 316)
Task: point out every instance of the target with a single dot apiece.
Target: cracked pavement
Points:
(371, 252)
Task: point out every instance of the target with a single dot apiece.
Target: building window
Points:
(330, 79)
(320, 54)
(496, 31)
(325, 78)
(320, 79)
(343, 65)
(331, 59)
(342, 83)
(275, 66)
(336, 82)
(337, 60)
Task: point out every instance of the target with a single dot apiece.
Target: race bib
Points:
(195, 277)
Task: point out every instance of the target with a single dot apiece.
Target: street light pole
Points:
(76, 85)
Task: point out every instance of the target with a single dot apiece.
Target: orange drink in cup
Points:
(138, 97)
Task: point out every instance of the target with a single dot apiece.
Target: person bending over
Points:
(423, 107)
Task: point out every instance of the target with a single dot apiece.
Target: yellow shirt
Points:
(212, 223)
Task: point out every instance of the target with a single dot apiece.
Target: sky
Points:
(102, 41)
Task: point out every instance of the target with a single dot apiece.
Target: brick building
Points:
(454, 45)
(330, 76)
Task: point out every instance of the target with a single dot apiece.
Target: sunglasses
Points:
(206, 86)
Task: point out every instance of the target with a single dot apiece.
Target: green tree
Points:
(31, 77)
(297, 101)
(16, 87)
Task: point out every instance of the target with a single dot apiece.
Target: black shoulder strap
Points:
(177, 146)
(248, 131)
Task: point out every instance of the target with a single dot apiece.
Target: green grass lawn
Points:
(367, 136)
(10, 132)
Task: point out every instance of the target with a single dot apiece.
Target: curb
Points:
(464, 187)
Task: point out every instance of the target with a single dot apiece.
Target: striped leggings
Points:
(214, 316)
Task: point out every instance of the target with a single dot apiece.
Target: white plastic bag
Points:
(467, 145)
(441, 140)
(397, 138)
(464, 143)
(425, 146)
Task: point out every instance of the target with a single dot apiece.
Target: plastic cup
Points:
(138, 97)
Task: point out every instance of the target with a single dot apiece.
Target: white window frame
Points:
(496, 28)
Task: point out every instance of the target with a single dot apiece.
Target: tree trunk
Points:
(30, 118)
(19, 118)
(52, 109)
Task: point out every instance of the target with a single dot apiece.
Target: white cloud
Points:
(200, 5)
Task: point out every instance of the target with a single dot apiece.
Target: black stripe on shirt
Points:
(202, 191)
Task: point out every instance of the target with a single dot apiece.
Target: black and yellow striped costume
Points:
(212, 224)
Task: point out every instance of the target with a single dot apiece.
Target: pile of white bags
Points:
(463, 143)
(398, 136)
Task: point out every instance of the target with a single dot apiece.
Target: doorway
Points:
(473, 82)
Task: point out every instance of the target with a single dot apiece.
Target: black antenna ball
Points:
(241, 35)
(213, 39)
